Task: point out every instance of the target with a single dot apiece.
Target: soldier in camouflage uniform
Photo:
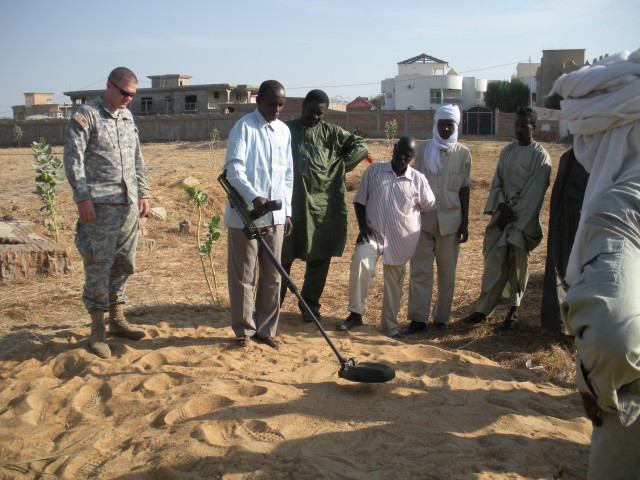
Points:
(105, 168)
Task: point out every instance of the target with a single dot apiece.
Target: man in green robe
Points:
(515, 199)
(322, 154)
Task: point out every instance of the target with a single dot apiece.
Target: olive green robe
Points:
(321, 157)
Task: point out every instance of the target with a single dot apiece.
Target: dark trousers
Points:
(315, 278)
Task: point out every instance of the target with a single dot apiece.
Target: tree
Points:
(50, 173)
(377, 100)
(17, 134)
(507, 96)
(494, 94)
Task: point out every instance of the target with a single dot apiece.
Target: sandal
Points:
(243, 341)
(270, 341)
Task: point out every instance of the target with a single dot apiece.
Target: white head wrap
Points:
(602, 108)
(446, 112)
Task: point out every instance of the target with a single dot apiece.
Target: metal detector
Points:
(350, 369)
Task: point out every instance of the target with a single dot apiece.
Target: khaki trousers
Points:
(444, 251)
(243, 257)
(363, 270)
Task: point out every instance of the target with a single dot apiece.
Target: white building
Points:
(426, 83)
(527, 73)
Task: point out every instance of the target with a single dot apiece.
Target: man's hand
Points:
(260, 206)
(463, 233)
(506, 210)
(363, 237)
(506, 215)
(143, 207)
(502, 222)
(591, 408)
(86, 212)
(288, 226)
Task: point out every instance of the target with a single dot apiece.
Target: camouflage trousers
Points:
(108, 249)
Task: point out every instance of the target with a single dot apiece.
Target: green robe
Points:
(521, 181)
(319, 200)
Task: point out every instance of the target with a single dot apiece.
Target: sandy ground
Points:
(185, 403)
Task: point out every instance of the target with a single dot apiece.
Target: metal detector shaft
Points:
(254, 233)
(295, 291)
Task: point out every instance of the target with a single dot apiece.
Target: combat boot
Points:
(119, 326)
(97, 343)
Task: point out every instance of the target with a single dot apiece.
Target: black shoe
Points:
(475, 317)
(352, 321)
(396, 336)
(510, 323)
(414, 327)
(307, 318)
(441, 326)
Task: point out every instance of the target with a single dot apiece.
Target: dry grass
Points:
(169, 278)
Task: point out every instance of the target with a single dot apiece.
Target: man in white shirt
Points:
(388, 204)
(259, 166)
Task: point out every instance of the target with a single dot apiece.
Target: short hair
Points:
(527, 112)
(269, 86)
(316, 95)
(122, 75)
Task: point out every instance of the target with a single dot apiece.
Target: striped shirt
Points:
(393, 207)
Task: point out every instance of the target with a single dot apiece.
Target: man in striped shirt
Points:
(388, 204)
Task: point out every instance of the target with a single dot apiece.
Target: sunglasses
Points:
(124, 93)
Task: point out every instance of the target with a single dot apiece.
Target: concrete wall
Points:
(198, 127)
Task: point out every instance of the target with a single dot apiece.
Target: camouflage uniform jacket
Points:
(102, 157)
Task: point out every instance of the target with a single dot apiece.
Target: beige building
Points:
(172, 94)
(553, 64)
(39, 105)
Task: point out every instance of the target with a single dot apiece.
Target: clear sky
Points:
(345, 47)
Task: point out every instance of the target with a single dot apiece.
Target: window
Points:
(238, 97)
(190, 102)
(436, 96)
(216, 94)
(146, 103)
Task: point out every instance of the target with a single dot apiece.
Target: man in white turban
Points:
(515, 199)
(602, 307)
(447, 166)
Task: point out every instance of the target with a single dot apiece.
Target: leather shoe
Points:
(308, 319)
(510, 323)
(414, 327)
(475, 317)
(352, 321)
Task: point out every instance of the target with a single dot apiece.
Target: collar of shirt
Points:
(408, 173)
(107, 109)
(262, 123)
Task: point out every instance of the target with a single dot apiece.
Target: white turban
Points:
(446, 112)
(602, 108)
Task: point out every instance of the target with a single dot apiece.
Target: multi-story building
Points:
(527, 73)
(41, 105)
(553, 64)
(172, 94)
(426, 83)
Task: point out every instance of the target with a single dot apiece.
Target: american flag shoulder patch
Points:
(81, 119)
